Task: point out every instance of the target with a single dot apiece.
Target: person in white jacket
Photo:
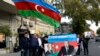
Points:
(40, 49)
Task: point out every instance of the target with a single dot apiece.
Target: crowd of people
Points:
(31, 44)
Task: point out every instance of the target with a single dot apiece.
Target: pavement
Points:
(11, 54)
(94, 50)
(3, 51)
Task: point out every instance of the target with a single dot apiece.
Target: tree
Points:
(5, 30)
(81, 10)
(98, 31)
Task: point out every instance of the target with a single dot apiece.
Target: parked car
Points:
(97, 39)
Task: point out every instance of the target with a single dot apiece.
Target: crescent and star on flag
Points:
(36, 7)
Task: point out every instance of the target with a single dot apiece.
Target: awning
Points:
(4, 6)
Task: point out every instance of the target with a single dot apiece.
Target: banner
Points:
(59, 49)
(62, 38)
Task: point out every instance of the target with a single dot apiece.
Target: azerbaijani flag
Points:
(39, 9)
(57, 46)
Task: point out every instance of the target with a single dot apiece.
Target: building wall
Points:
(44, 28)
(40, 27)
(48, 1)
(10, 20)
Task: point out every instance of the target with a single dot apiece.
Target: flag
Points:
(57, 46)
(74, 44)
(39, 9)
(43, 10)
(40, 2)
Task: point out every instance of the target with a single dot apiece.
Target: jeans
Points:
(33, 52)
(25, 52)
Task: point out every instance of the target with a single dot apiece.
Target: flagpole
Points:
(35, 24)
(21, 21)
(28, 21)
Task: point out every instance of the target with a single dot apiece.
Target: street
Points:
(94, 50)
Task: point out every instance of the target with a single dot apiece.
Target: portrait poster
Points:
(53, 49)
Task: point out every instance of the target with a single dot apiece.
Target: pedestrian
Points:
(44, 40)
(40, 49)
(33, 45)
(79, 44)
(24, 44)
(86, 39)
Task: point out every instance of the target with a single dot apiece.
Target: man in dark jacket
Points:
(34, 45)
(66, 50)
(79, 45)
(85, 45)
(24, 44)
(44, 40)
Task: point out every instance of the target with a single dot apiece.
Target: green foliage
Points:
(78, 26)
(5, 30)
(98, 31)
(78, 10)
(75, 9)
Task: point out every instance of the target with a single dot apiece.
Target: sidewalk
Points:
(11, 54)
(4, 51)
